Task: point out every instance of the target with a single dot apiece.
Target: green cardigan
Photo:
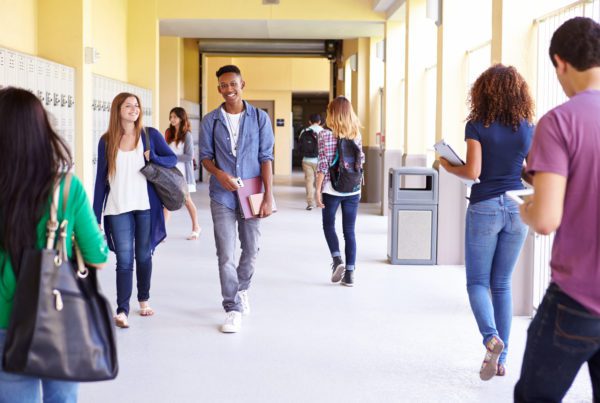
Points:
(91, 241)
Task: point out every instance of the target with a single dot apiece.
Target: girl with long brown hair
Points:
(498, 133)
(179, 138)
(133, 215)
(343, 125)
(34, 159)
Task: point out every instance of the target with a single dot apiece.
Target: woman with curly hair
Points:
(498, 133)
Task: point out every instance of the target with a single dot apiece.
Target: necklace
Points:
(234, 131)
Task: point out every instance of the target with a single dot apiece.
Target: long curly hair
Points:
(500, 94)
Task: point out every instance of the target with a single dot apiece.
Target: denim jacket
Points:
(255, 146)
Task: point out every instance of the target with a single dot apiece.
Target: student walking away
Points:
(565, 332)
(133, 215)
(308, 141)
(179, 138)
(339, 179)
(498, 134)
(39, 156)
(236, 141)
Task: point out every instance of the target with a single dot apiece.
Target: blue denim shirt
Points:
(255, 146)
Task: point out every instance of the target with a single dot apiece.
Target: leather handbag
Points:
(61, 325)
(169, 183)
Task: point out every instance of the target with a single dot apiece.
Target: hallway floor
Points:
(402, 334)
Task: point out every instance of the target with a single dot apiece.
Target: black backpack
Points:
(308, 144)
(346, 171)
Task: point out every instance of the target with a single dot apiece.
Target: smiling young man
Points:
(565, 332)
(236, 141)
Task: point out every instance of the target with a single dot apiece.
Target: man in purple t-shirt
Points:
(564, 160)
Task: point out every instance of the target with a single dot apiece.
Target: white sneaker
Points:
(245, 302)
(233, 322)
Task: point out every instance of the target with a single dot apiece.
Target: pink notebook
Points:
(251, 186)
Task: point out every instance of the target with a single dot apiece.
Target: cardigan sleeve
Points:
(101, 187)
(188, 149)
(160, 152)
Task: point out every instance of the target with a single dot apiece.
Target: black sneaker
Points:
(348, 279)
(337, 269)
(309, 207)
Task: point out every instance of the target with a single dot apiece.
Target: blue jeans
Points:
(349, 212)
(27, 389)
(561, 337)
(234, 277)
(494, 237)
(129, 229)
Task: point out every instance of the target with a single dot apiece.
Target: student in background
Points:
(498, 133)
(179, 138)
(565, 332)
(309, 148)
(31, 147)
(344, 124)
(133, 214)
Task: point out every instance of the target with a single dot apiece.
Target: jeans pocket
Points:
(576, 331)
(481, 222)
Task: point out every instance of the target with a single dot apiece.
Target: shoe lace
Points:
(231, 315)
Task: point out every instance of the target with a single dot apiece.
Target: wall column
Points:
(143, 49)
(393, 103)
(65, 43)
(171, 68)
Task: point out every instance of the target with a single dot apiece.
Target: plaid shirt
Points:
(327, 145)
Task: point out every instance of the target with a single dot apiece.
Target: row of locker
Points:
(52, 83)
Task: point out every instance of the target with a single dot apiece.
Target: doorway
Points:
(304, 105)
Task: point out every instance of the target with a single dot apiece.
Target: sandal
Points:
(489, 368)
(194, 235)
(121, 320)
(501, 370)
(146, 311)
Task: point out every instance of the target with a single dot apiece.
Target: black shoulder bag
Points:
(169, 183)
(61, 325)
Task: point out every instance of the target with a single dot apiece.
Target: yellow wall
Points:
(170, 77)
(18, 25)
(421, 40)
(456, 40)
(109, 30)
(191, 71)
(143, 49)
(271, 78)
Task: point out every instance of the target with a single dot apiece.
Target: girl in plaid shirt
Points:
(344, 124)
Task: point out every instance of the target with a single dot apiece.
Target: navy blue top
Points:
(161, 154)
(502, 153)
(255, 146)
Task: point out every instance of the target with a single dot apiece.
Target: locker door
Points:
(3, 82)
(21, 71)
(11, 68)
(31, 74)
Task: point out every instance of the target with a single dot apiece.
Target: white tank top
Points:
(128, 187)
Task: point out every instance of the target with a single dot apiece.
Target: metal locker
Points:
(11, 68)
(21, 71)
(3, 82)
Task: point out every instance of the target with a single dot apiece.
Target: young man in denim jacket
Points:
(236, 141)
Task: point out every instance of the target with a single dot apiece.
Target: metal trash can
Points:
(412, 215)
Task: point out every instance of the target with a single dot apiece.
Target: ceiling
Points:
(270, 29)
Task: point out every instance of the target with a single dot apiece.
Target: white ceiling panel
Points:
(270, 29)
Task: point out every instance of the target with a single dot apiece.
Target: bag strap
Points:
(52, 224)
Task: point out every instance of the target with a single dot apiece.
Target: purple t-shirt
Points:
(567, 142)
